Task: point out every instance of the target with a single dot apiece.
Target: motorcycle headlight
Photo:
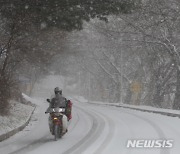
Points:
(58, 109)
(61, 110)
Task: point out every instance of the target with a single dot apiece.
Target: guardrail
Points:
(136, 108)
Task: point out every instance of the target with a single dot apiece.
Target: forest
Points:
(113, 51)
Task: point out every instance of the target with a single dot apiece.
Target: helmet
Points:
(57, 90)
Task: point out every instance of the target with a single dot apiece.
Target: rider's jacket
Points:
(58, 101)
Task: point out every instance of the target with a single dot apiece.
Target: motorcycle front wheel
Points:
(56, 132)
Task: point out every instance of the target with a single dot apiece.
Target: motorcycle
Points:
(57, 120)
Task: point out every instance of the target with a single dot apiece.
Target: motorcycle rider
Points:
(67, 104)
(57, 100)
(58, 95)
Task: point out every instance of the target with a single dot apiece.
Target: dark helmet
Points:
(57, 91)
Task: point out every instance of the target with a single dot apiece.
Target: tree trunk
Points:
(176, 104)
(158, 98)
(118, 94)
(128, 96)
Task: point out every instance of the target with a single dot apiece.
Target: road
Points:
(95, 129)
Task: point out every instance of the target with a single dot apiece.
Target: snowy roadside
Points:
(167, 112)
(17, 119)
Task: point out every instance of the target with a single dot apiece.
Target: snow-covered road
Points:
(95, 129)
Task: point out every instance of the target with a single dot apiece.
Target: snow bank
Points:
(17, 119)
(168, 112)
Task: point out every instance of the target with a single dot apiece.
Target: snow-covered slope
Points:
(18, 116)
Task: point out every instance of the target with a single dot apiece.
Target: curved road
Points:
(95, 129)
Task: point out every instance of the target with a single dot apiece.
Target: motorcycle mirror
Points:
(48, 100)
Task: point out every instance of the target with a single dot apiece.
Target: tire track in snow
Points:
(151, 123)
(157, 129)
(92, 135)
(108, 137)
